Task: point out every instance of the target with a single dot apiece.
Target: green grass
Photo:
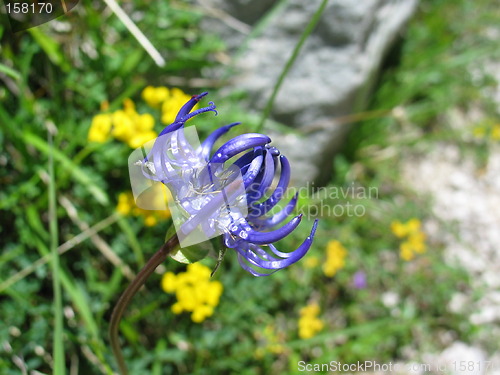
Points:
(58, 351)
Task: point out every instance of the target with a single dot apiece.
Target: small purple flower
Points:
(197, 176)
(359, 280)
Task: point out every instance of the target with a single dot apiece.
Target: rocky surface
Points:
(466, 204)
(332, 76)
(466, 201)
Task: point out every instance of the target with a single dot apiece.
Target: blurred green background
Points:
(375, 287)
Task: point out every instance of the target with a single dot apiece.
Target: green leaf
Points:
(51, 48)
(10, 72)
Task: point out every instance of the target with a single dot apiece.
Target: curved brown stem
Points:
(158, 258)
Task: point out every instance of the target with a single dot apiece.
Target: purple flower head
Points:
(359, 280)
(224, 190)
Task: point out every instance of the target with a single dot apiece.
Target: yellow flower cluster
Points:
(126, 125)
(491, 131)
(169, 100)
(194, 291)
(415, 238)
(309, 323)
(126, 206)
(133, 128)
(335, 258)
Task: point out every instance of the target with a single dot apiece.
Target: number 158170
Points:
(29, 8)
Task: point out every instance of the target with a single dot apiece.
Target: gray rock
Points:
(332, 77)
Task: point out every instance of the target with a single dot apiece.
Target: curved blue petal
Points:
(253, 170)
(246, 159)
(249, 269)
(211, 108)
(261, 184)
(186, 108)
(289, 258)
(170, 128)
(239, 144)
(260, 209)
(262, 238)
(208, 143)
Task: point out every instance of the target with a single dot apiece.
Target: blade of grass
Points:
(157, 364)
(58, 351)
(132, 240)
(307, 31)
(51, 48)
(10, 72)
(66, 163)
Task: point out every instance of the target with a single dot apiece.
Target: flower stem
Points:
(129, 293)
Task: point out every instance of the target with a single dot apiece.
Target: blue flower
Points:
(225, 196)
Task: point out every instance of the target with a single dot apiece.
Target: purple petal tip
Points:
(198, 97)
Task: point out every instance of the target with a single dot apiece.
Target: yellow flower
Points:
(415, 238)
(194, 291)
(417, 242)
(200, 313)
(123, 126)
(154, 96)
(169, 282)
(139, 139)
(413, 225)
(100, 128)
(406, 251)
(144, 122)
(399, 229)
(309, 323)
(495, 132)
(125, 203)
(335, 258)
(150, 221)
(133, 128)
